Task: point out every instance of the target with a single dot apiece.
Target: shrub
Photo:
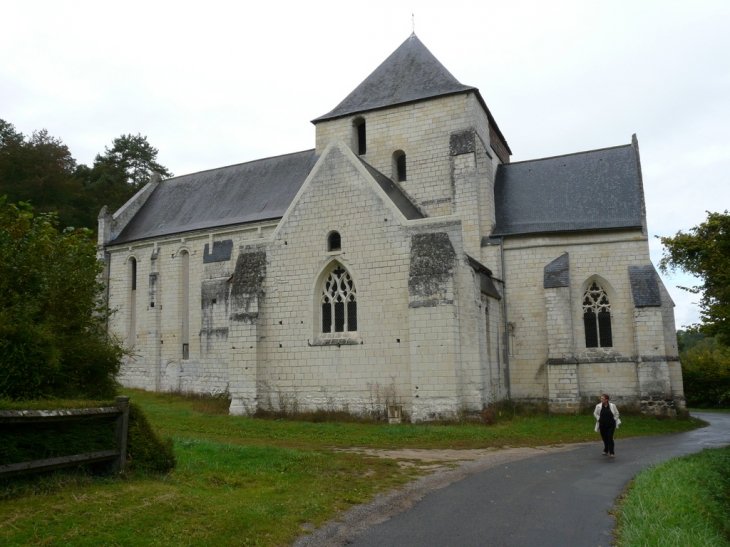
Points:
(145, 450)
(53, 337)
(706, 371)
(27, 442)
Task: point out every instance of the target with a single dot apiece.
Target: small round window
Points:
(334, 242)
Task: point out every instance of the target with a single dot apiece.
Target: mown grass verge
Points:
(243, 481)
(684, 502)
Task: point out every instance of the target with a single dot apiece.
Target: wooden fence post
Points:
(121, 433)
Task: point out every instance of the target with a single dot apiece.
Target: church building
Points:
(402, 261)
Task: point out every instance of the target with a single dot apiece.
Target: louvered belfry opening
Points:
(339, 302)
(597, 317)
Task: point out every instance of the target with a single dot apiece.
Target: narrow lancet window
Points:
(339, 302)
(132, 334)
(399, 160)
(597, 317)
(185, 303)
(361, 136)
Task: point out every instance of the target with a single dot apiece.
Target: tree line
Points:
(39, 169)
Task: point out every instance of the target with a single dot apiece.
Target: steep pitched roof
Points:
(237, 194)
(411, 73)
(594, 190)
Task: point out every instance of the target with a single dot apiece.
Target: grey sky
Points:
(216, 83)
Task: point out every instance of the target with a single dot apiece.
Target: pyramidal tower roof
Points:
(411, 73)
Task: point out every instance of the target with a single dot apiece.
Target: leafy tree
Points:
(41, 169)
(706, 373)
(131, 160)
(121, 170)
(705, 252)
(53, 339)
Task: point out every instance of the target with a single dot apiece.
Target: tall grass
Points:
(684, 502)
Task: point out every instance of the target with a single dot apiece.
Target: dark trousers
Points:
(607, 436)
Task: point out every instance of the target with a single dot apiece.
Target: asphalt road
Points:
(560, 499)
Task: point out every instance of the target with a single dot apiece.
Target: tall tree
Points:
(121, 170)
(704, 251)
(40, 169)
(131, 160)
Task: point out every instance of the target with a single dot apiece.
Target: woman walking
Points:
(607, 421)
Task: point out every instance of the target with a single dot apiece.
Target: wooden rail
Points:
(117, 457)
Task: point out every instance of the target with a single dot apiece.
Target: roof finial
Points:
(413, 22)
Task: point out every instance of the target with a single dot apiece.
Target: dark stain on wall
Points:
(213, 297)
(432, 264)
(462, 142)
(247, 283)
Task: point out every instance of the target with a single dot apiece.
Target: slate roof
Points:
(237, 194)
(557, 273)
(411, 73)
(645, 286)
(406, 206)
(594, 190)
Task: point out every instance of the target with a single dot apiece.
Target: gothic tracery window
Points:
(597, 317)
(339, 302)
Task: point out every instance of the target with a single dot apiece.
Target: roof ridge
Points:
(567, 155)
(237, 164)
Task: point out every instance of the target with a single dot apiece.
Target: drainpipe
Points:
(506, 322)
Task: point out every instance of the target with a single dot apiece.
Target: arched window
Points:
(399, 165)
(597, 317)
(360, 135)
(185, 303)
(132, 334)
(334, 242)
(339, 302)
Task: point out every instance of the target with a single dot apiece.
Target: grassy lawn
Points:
(718, 410)
(243, 481)
(684, 502)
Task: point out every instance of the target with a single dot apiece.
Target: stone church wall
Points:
(548, 363)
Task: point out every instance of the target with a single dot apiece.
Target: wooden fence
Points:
(117, 458)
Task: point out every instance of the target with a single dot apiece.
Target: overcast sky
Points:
(216, 83)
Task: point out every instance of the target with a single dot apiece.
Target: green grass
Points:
(718, 410)
(174, 415)
(243, 481)
(684, 502)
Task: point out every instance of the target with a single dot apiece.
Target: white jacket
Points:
(614, 411)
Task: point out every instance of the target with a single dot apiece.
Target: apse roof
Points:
(411, 73)
(237, 194)
(594, 190)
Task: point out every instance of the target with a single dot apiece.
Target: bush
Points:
(145, 450)
(53, 336)
(706, 371)
(27, 442)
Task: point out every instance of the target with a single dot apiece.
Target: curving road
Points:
(557, 499)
